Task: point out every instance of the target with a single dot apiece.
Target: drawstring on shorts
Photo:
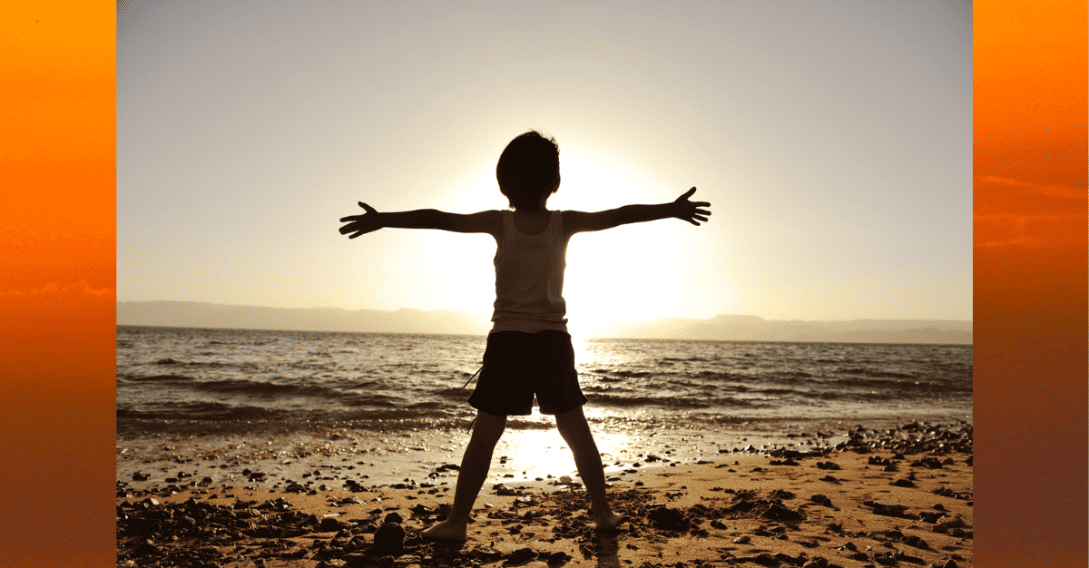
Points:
(470, 428)
(472, 377)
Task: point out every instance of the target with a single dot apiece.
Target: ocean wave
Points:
(171, 361)
(670, 402)
(371, 400)
(201, 410)
(779, 392)
(902, 387)
(874, 373)
(632, 374)
(719, 377)
(604, 388)
(166, 379)
(453, 392)
(789, 375)
(264, 389)
(211, 411)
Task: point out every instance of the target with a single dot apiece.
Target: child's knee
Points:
(490, 426)
(573, 418)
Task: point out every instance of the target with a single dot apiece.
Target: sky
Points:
(833, 140)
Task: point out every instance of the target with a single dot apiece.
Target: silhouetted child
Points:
(528, 350)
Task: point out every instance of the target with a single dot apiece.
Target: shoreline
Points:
(682, 505)
(388, 451)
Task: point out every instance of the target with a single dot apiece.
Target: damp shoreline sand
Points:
(852, 498)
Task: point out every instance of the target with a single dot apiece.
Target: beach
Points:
(246, 448)
(809, 494)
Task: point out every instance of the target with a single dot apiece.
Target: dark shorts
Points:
(519, 365)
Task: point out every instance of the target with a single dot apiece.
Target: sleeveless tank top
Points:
(529, 278)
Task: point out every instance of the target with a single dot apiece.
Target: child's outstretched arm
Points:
(681, 208)
(371, 220)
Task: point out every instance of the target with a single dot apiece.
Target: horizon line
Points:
(487, 314)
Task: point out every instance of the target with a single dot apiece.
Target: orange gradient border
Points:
(57, 283)
(57, 232)
(1030, 232)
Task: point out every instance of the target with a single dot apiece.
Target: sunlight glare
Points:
(543, 452)
(624, 273)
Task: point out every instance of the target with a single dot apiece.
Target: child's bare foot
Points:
(607, 521)
(445, 531)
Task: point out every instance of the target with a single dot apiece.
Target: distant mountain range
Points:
(465, 322)
(752, 328)
(200, 314)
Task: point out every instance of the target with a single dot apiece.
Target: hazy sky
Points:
(833, 140)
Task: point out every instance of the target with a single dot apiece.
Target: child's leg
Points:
(471, 476)
(576, 432)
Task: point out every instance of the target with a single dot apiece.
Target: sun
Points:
(625, 273)
(618, 276)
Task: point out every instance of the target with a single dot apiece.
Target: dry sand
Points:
(901, 497)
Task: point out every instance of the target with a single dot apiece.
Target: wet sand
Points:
(898, 496)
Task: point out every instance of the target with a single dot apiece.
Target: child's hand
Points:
(690, 210)
(359, 224)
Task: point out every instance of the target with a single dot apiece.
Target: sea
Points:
(237, 380)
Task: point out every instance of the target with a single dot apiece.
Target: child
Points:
(528, 350)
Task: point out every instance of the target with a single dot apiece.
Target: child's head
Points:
(529, 170)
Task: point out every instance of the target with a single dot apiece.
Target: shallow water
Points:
(215, 380)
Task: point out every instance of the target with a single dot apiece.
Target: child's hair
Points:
(529, 169)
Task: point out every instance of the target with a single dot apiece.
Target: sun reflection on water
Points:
(533, 446)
